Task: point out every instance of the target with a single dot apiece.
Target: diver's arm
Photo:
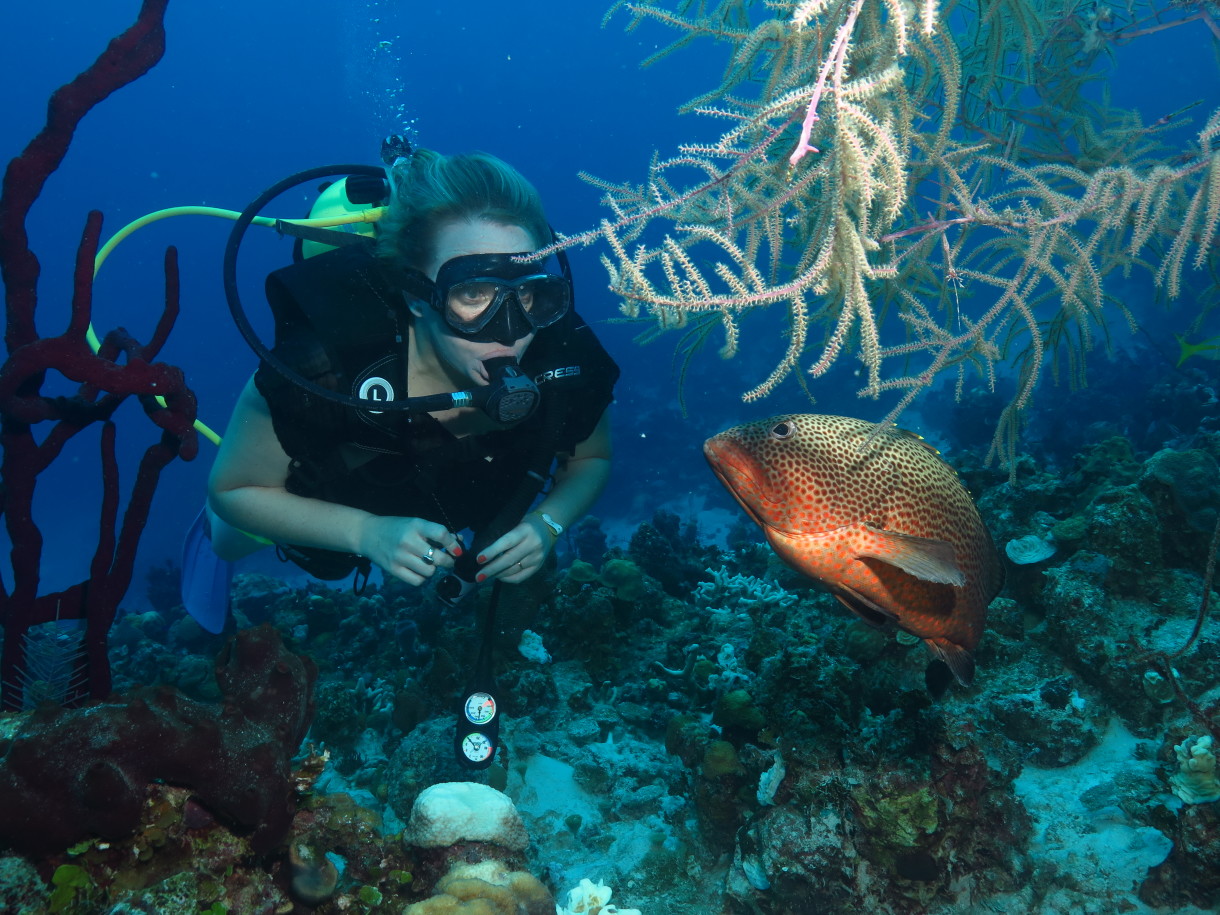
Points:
(579, 480)
(229, 540)
(246, 491)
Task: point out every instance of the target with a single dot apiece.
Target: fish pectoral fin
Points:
(922, 557)
(869, 611)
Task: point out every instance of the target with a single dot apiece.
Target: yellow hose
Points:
(372, 214)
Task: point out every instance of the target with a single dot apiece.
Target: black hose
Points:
(417, 405)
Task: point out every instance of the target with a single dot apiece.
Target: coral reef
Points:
(743, 744)
(68, 775)
(1195, 781)
(747, 746)
(470, 841)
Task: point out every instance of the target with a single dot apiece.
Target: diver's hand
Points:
(518, 554)
(410, 549)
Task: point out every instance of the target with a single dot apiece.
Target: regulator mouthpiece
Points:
(511, 395)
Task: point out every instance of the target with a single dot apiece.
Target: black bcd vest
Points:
(340, 323)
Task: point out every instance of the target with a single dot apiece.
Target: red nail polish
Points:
(480, 577)
(457, 551)
(482, 559)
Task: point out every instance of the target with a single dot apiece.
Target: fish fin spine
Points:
(960, 661)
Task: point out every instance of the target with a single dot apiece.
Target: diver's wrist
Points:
(548, 523)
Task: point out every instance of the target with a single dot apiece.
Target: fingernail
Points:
(457, 551)
(480, 577)
(482, 558)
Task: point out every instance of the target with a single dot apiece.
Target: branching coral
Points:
(728, 592)
(1195, 781)
(119, 367)
(934, 200)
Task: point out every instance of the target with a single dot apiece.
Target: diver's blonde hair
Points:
(432, 189)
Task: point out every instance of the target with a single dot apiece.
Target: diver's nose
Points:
(515, 325)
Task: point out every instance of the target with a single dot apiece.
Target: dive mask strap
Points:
(414, 283)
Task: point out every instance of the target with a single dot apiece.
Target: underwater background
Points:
(705, 731)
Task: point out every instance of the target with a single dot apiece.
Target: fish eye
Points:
(783, 430)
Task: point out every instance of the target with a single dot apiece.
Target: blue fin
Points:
(205, 578)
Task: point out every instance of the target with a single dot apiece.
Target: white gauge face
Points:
(480, 708)
(476, 747)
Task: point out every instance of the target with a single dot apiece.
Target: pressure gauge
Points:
(477, 747)
(480, 708)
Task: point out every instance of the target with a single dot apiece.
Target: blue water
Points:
(249, 93)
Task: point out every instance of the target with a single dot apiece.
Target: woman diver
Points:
(449, 299)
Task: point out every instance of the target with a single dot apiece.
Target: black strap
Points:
(327, 565)
(476, 743)
(537, 474)
(333, 237)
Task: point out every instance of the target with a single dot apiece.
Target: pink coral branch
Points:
(835, 60)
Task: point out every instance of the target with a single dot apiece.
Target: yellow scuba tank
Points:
(333, 201)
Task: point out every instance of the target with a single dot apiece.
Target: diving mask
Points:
(494, 297)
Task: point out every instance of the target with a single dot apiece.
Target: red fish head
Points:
(796, 473)
(745, 476)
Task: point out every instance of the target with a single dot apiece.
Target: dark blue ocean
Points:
(248, 94)
(251, 92)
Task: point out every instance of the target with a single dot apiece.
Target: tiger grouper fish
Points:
(888, 529)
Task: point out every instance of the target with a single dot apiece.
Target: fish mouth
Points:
(727, 483)
(734, 466)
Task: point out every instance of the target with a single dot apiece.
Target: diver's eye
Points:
(472, 296)
(783, 430)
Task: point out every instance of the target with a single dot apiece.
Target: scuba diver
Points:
(494, 391)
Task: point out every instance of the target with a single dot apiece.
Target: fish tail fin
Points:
(960, 661)
(1185, 349)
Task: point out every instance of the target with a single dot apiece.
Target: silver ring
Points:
(521, 565)
(427, 557)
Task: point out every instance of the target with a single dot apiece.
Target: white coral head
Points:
(453, 812)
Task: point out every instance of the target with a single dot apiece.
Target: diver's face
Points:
(460, 357)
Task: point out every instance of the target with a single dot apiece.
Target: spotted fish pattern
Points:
(888, 528)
